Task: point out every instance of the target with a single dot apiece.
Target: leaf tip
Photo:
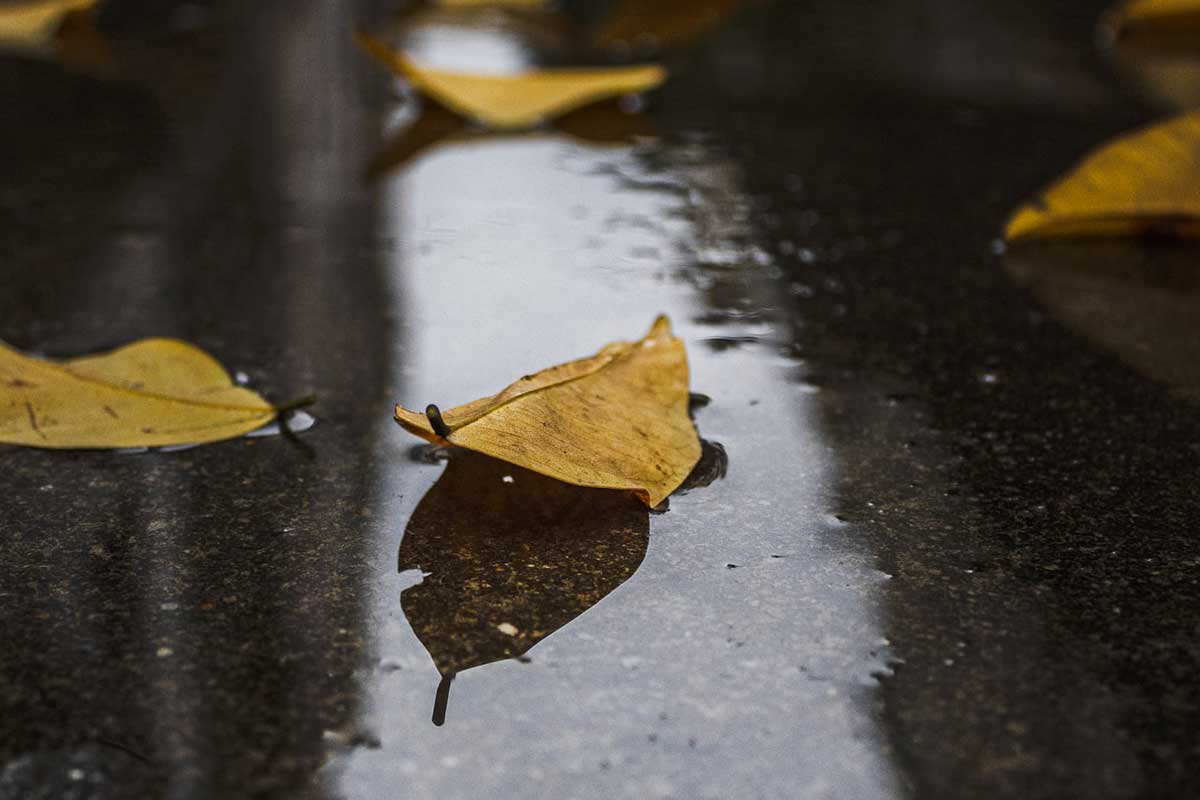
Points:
(661, 327)
(648, 76)
(382, 52)
(1022, 224)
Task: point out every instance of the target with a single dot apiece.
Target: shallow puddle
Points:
(746, 636)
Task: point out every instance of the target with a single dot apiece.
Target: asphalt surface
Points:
(949, 552)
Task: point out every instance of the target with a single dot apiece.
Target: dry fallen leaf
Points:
(1144, 182)
(34, 25)
(151, 393)
(1152, 17)
(616, 420)
(512, 102)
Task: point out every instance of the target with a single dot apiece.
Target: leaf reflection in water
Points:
(510, 556)
(602, 124)
(1137, 299)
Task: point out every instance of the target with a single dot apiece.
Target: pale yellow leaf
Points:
(510, 102)
(1144, 182)
(150, 393)
(616, 420)
(34, 24)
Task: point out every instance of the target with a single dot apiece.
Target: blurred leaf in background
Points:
(1145, 182)
(515, 102)
(62, 30)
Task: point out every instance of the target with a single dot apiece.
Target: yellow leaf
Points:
(510, 102)
(34, 25)
(1153, 17)
(1144, 182)
(150, 393)
(616, 420)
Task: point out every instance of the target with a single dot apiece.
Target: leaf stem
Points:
(284, 412)
(436, 422)
(298, 403)
(441, 698)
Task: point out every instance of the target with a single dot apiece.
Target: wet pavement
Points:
(951, 551)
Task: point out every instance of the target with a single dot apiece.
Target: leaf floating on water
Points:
(34, 25)
(151, 393)
(512, 102)
(1146, 182)
(616, 420)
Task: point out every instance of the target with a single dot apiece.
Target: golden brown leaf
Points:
(616, 420)
(1144, 182)
(511, 102)
(150, 393)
